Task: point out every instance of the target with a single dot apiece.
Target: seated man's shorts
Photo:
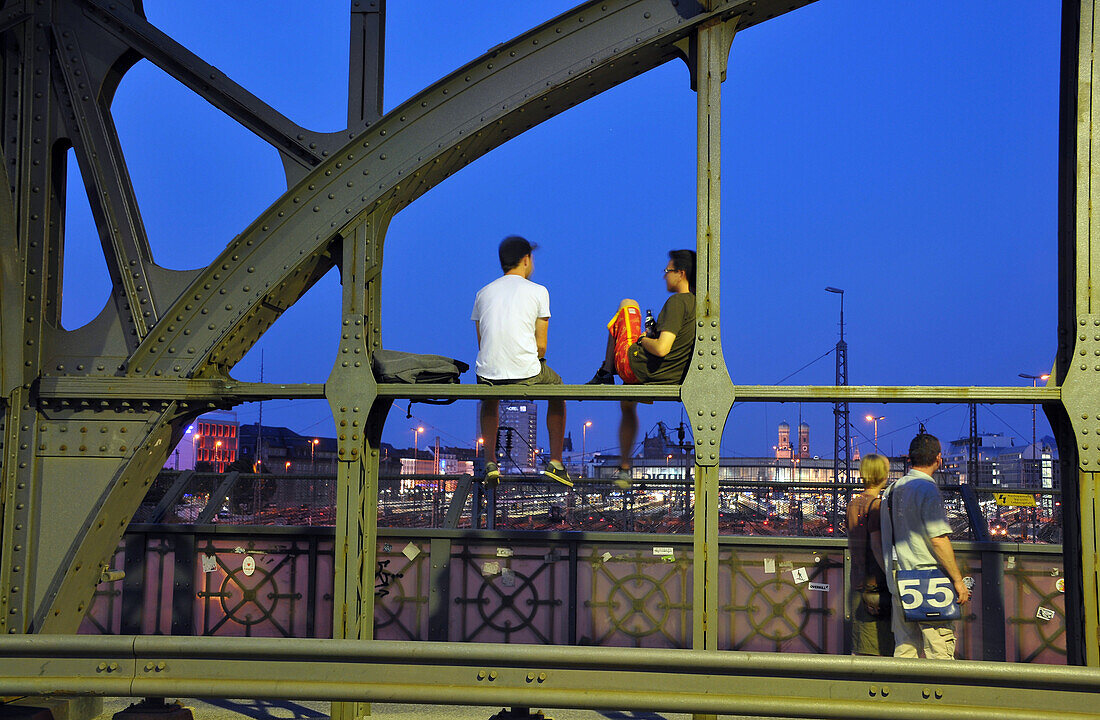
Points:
(546, 376)
(625, 328)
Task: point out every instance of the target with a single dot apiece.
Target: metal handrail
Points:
(728, 682)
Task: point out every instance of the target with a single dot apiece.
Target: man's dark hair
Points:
(513, 249)
(684, 260)
(923, 450)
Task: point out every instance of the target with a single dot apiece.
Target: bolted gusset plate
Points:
(1081, 391)
(707, 392)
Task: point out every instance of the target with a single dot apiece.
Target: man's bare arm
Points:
(658, 346)
(542, 329)
(477, 329)
(945, 555)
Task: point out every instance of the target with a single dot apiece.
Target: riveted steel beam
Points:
(32, 244)
(111, 194)
(359, 415)
(204, 390)
(229, 392)
(366, 61)
(707, 392)
(300, 148)
(1077, 369)
(650, 679)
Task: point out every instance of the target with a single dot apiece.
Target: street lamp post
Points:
(416, 449)
(477, 446)
(584, 442)
(218, 455)
(875, 419)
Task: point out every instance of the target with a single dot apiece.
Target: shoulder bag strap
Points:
(868, 553)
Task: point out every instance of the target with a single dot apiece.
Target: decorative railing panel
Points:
(775, 594)
(782, 598)
(635, 594)
(1035, 607)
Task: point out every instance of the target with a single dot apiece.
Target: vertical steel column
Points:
(359, 414)
(32, 246)
(1078, 364)
(366, 61)
(707, 392)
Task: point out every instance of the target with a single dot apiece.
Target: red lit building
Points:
(216, 441)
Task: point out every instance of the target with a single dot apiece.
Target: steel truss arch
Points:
(62, 63)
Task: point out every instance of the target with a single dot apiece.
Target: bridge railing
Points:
(564, 588)
(661, 504)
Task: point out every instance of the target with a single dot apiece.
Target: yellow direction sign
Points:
(1015, 499)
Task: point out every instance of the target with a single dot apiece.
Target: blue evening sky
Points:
(903, 151)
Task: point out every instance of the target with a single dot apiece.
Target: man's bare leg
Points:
(555, 427)
(628, 430)
(490, 418)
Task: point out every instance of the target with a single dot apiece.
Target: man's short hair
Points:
(684, 260)
(512, 250)
(924, 449)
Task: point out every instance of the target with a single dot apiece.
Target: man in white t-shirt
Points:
(512, 318)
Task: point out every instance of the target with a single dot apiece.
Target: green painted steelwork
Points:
(699, 681)
(229, 392)
(111, 399)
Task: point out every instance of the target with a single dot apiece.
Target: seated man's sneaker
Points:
(623, 481)
(557, 472)
(602, 377)
(492, 473)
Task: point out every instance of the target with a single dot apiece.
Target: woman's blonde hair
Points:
(874, 469)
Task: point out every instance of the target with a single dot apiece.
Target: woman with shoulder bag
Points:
(870, 596)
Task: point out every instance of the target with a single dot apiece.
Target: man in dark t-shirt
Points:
(639, 358)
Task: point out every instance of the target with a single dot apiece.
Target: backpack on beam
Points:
(394, 366)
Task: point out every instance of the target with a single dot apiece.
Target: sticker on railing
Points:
(605, 557)
(800, 575)
(410, 551)
(769, 566)
(209, 563)
(819, 587)
(1044, 614)
(663, 551)
(490, 568)
(248, 566)
(508, 577)
(969, 582)
(387, 547)
(504, 552)
(1060, 585)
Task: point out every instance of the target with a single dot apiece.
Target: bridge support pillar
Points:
(1076, 420)
(707, 392)
(359, 414)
